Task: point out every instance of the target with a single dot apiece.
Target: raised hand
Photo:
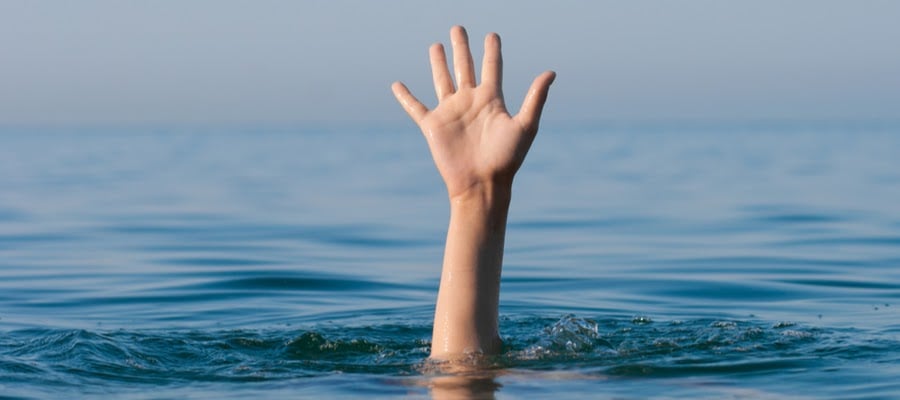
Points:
(477, 147)
(472, 137)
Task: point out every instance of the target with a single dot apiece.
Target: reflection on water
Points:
(464, 386)
(742, 261)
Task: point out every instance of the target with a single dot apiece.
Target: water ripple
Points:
(620, 347)
(874, 241)
(239, 264)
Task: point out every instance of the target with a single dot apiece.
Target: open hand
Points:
(473, 139)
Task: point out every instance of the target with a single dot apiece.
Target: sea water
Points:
(651, 260)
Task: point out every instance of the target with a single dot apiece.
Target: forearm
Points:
(477, 147)
(467, 306)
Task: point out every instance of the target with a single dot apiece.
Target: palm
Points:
(471, 135)
(473, 138)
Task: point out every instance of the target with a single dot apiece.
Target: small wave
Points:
(643, 347)
(638, 346)
(12, 215)
(856, 241)
(845, 283)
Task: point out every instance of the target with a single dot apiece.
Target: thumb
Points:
(530, 112)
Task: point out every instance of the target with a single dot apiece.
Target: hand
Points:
(473, 139)
(477, 147)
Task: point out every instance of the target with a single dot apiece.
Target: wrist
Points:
(489, 193)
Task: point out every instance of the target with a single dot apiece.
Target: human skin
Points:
(477, 147)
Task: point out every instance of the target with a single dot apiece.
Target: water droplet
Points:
(724, 324)
(641, 320)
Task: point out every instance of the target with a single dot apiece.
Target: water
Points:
(729, 260)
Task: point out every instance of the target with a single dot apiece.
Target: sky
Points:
(332, 62)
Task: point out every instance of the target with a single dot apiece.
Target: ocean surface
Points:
(727, 260)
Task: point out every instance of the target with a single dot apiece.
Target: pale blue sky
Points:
(222, 62)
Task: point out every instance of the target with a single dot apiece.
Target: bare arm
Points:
(477, 147)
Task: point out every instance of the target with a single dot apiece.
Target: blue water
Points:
(656, 260)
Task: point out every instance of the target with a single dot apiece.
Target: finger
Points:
(530, 113)
(462, 58)
(413, 106)
(443, 83)
(492, 65)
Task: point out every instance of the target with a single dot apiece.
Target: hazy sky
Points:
(90, 62)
